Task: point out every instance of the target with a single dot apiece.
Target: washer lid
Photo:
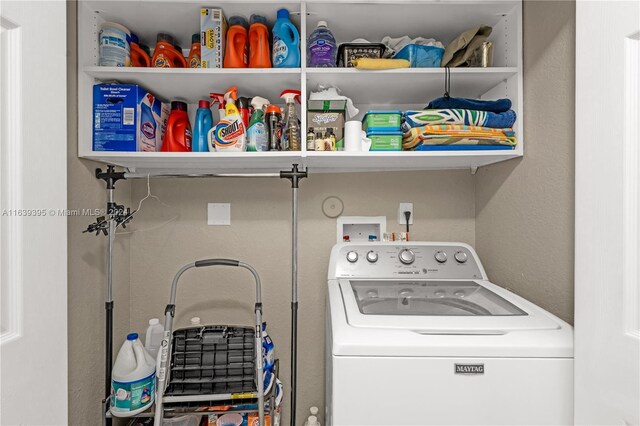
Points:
(438, 306)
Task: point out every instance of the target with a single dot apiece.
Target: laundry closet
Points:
(513, 205)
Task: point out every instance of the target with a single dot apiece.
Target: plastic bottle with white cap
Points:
(153, 338)
(313, 418)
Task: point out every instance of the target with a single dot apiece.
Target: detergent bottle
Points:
(259, 53)
(237, 50)
(149, 138)
(291, 124)
(202, 125)
(132, 379)
(166, 55)
(219, 99)
(139, 57)
(286, 42)
(229, 134)
(177, 136)
(257, 139)
(194, 54)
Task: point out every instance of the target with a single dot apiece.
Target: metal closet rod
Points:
(128, 175)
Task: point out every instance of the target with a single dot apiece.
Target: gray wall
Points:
(525, 208)
(86, 266)
(260, 234)
(518, 214)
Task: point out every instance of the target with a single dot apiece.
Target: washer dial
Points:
(461, 256)
(372, 256)
(406, 256)
(440, 256)
(352, 257)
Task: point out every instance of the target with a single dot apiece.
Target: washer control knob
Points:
(372, 256)
(406, 256)
(461, 256)
(352, 257)
(441, 256)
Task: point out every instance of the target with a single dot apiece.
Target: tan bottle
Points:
(319, 142)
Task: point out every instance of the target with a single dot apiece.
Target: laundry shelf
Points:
(408, 85)
(317, 162)
(194, 84)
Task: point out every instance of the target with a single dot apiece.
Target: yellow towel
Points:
(380, 64)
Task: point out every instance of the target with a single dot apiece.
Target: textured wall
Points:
(525, 208)
(260, 235)
(86, 267)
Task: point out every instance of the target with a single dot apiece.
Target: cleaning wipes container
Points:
(133, 379)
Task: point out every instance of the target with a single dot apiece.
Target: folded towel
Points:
(457, 134)
(500, 105)
(469, 117)
(380, 64)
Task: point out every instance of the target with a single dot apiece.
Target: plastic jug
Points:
(194, 54)
(286, 42)
(153, 338)
(237, 50)
(139, 57)
(259, 52)
(201, 127)
(177, 136)
(166, 55)
(322, 50)
(133, 379)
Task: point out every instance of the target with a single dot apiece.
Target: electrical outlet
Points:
(404, 207)
(218, 214)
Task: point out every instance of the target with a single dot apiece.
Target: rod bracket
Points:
(294, 175)
(110, 176)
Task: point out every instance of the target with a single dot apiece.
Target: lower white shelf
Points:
(316, 162)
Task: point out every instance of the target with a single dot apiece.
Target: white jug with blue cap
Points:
(133, 379)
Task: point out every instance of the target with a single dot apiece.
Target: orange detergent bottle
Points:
(139, 58)
(259, 54)
(194, 54)
(166, 55)
(177, 136)
(237, 49)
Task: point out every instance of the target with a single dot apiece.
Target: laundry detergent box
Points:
(325, 114)
(213, 31)
(126, 117)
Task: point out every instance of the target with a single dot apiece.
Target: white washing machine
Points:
(417, 335)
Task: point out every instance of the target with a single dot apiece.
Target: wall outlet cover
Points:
(218, 214)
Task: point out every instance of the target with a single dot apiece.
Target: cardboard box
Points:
(213, 31)
(322, 115)
(126, 117)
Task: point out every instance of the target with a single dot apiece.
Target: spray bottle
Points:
(230, 134)
(291, 124)
(257, 138)
(218, 98)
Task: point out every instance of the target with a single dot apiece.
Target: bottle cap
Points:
(314, 410)
(195, 38)
(165, 37)
(195, 321)
(132, 336)
(283, 13)
(204, 103)
(238, 20)
(178, 105)
(273, 108)
(322, 24)
(154, 321)
(134, 38)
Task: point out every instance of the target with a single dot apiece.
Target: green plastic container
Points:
(382, 121)
(385, 141)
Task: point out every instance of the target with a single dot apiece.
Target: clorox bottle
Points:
(230, 134)
(133, 379)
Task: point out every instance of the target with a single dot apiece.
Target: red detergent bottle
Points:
(177, 137)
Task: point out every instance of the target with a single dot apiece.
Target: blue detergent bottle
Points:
(286, 42)
(203, 123)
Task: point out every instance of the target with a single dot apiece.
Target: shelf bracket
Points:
(474, 170)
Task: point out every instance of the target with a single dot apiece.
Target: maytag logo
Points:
(469, 369)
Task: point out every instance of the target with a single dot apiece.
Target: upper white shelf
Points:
(194, 84)
(408, 86)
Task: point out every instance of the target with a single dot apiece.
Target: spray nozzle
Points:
(259, 103)
(231, 95)
(217, 98)
(289, 95)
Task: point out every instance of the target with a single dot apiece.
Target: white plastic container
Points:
(133, 379)
(153, 338)
(115, 49)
